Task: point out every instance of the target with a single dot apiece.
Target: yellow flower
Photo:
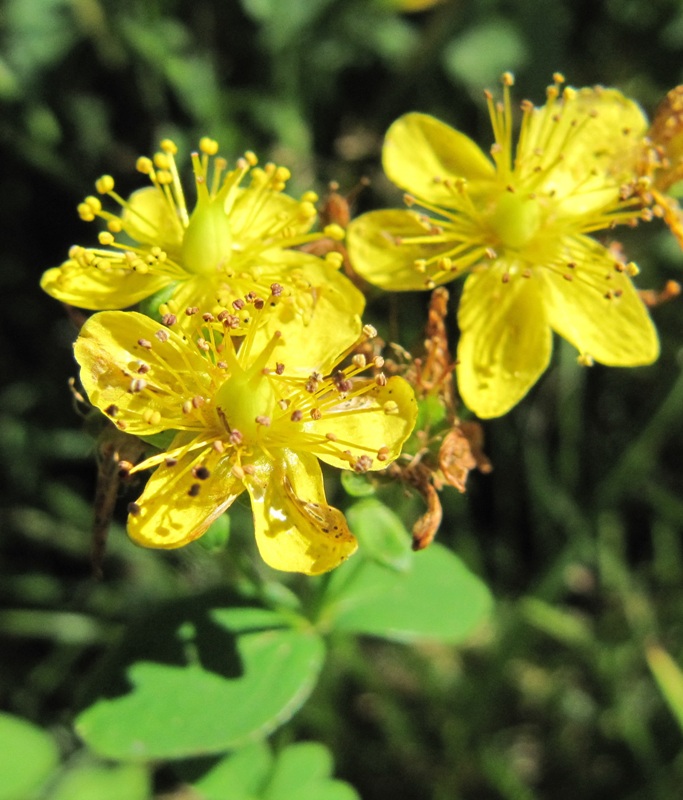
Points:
(237, 240)
(254, 418)
(517, 224)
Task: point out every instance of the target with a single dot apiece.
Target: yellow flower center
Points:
(245, 402)
(515, 220)
(207, 243)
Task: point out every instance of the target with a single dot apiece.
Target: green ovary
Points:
(207, 244)
(515, 220)
(242, 398)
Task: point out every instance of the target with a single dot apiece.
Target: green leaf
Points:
(669, 678)
(480, 56)
(303, 771)
(216, 537)
(240, 776)
(381, 533)
(356, 484)
(438, 598)
(27, 756)
(242, 673)
(129, 781)
(300, 771)
(284, 21)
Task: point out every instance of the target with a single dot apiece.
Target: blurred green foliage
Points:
(572, 688)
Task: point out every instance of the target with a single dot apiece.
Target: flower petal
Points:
(599, 310)
(318, 315)
(505, 340)
(99, 289)
(137, 379)
(296, 531)
(420, 152)
(379, 255)
(380, 419)
(590, 143)
(176, 507)
(257, 214)
(150, 218)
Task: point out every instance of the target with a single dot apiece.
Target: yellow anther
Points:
(334, 231)
(258, 177)
(104, 184)
(586, 360)
(569, 93)
(309, 197)
(151, 417)
(334, 259)
(85, 212)
(105, 238)
(508, 79)
(370, 331)
(161, 161)
(115, 225)
(558, 77)
(632, 269)
(169, 146)
(251, 158)
(307, 210)
(208, 146)
(94, 203)
(144, 165)
(164, 177)
(282, 174)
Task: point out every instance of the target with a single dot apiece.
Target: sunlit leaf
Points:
(300, 771)
(669, 677)
(438, 598)
(381, 534)
(27, 756)
(242, 672)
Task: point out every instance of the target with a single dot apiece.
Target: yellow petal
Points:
(258, 214)
(176, 507)
(142, 388)
(97, 289)
(505, 341)
(590, 145)
(615, 330)
(150, 218)
(318, 315)
(379, 256)
(296, 531)
(378, 421)
(420, 152)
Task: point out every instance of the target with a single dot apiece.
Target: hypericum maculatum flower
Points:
(249, 413)
(235, 241)
(517, 225)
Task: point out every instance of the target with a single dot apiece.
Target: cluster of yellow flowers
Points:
(252, 358)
